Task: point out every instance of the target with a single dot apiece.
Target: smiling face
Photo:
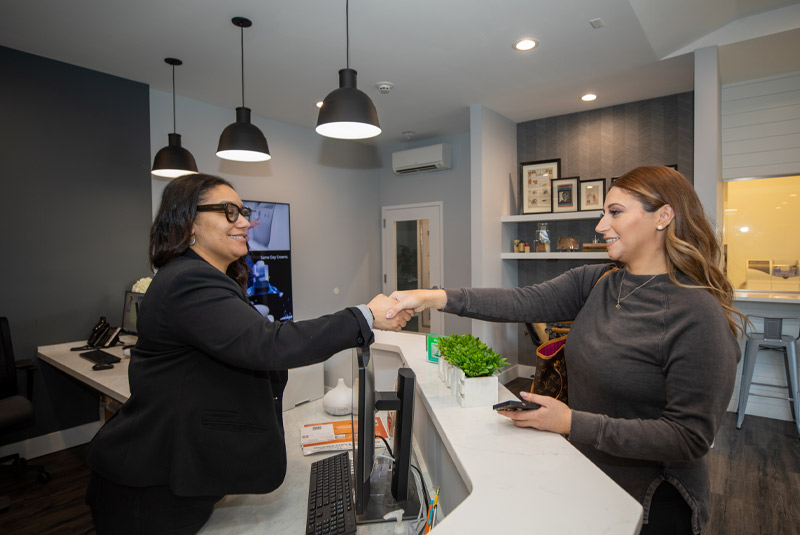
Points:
(632, 233)
(219, 241)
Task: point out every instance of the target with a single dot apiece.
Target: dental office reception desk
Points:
(494, 477)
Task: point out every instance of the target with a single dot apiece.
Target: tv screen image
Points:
(380, 485)
(269, 285)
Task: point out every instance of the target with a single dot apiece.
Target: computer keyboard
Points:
(330, 502)
(99, 356)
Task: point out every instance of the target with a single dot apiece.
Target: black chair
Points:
(16, 411)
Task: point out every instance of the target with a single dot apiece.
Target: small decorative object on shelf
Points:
(568, 243)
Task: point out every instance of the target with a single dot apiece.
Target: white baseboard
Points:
(516, 371)
(52, 442)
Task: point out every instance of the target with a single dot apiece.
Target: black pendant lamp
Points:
(242, 141)
(173, 160)
(348, 113)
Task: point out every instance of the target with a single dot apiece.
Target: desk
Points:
(495, 478)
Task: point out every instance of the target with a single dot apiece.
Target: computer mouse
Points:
(102, 366)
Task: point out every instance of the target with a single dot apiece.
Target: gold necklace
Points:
(629, 293)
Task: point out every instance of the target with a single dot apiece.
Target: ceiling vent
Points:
(422, 159)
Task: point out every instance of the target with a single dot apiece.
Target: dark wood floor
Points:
(755, 485)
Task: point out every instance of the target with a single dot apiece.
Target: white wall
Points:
(493, 185)
(452, 187)
(761, 127)
(331, 185)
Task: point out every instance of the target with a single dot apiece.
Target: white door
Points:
(412, 256)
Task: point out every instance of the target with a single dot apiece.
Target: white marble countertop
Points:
(517, 479)
(520, 480)
(766, 296)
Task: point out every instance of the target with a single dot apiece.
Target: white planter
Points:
(458, 380)
(477, 391)
(451, 374)
(443, 368)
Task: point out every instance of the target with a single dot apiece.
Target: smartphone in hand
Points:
(516, 405)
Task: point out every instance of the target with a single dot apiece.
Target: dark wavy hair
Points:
(691, 245)
(172, 229)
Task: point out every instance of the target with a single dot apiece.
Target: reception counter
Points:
(493, 476)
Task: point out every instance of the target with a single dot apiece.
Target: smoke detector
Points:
(384, 87)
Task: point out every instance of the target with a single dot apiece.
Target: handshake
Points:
(393, 313)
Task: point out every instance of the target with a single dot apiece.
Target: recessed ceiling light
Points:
(588, 97)
(524, 45)
(319, 104)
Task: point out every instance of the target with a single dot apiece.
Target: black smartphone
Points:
(516, 405)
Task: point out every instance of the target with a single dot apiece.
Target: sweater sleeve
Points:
(559, 299)
(699, 355)
(207, 311)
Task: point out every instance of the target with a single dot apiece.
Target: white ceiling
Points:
(441, 55)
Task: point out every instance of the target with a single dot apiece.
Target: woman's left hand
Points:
(553, 415)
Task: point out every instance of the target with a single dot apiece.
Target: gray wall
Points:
(74, 211)
(450, 186)
(602, 143)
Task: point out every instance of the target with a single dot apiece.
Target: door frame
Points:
(433, 211)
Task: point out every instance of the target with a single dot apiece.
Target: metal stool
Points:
(772, 338)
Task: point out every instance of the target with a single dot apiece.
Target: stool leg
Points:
(791, 354)
(749, 364)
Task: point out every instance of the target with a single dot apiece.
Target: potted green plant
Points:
(476, 365)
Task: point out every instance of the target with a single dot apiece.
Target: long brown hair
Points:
(690, 245)
(172, 229)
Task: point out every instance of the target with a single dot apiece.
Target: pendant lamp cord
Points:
(174, 127)
(242, 28)
(347, 28)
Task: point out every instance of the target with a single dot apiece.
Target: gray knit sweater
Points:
(649, 383)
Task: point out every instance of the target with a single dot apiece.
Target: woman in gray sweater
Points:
(652, 352)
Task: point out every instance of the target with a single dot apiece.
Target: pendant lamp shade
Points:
(242, 141)
(173, 160)
(347, 112)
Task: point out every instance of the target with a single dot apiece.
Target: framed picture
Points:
(593, 193)
(565, 194)
(534, 190)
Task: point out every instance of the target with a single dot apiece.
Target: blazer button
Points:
(360, 340)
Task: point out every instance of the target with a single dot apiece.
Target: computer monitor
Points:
(379, 491)
(130, 311)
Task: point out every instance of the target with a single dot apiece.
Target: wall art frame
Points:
(592, 194)
(565, 194)
(534, 185)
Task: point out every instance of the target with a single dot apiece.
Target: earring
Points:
(194, 240)
(660, 227)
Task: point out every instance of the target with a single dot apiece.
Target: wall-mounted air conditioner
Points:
(432, 158)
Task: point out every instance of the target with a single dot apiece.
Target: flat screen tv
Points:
(269, 285)
(380, 490)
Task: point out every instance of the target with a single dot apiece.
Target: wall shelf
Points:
(509, 222)
(555, 256)
(543, 218)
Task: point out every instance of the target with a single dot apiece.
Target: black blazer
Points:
(207, 377)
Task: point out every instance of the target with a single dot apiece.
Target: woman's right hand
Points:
(416, 300)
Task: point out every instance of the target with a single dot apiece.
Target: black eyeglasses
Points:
(230, 210)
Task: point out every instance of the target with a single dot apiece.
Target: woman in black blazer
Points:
(207, 374)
